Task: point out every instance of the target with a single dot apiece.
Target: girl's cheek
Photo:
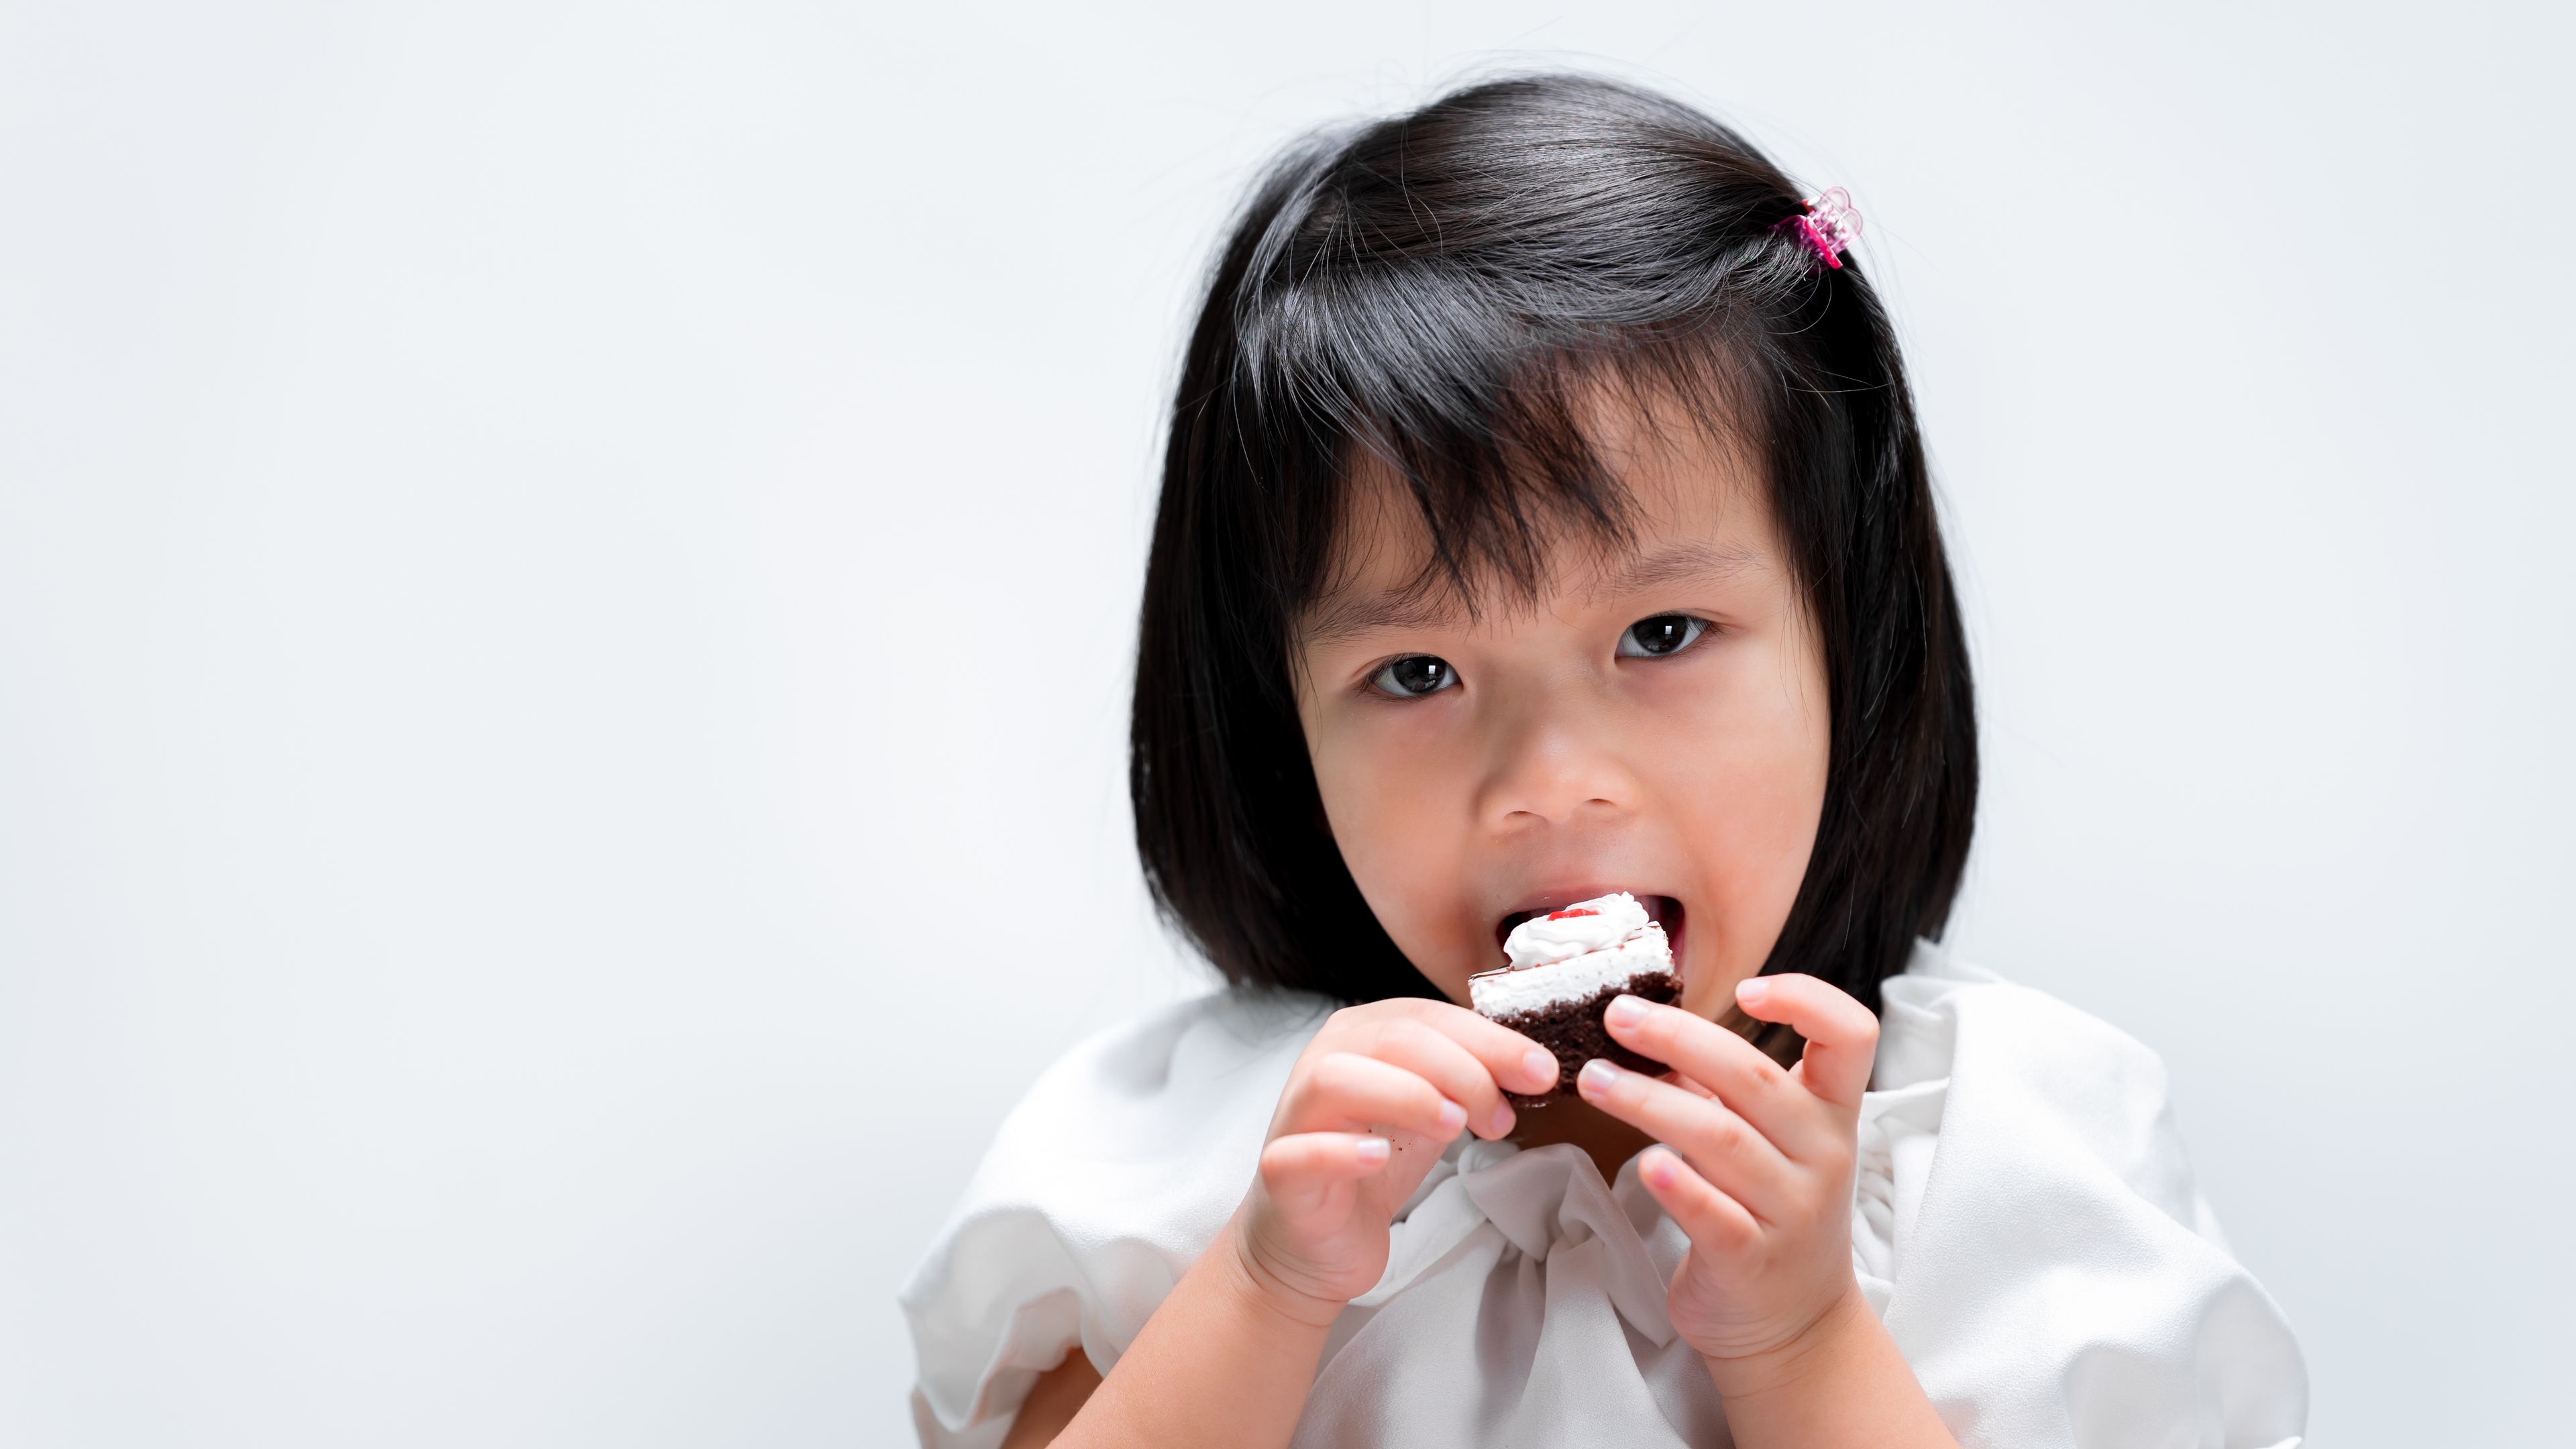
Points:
(1391, 799)
(1384, 753)
(1383, 793)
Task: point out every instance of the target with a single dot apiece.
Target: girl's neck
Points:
(1608, 1141)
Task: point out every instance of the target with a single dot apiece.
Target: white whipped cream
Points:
(1510, 990)
(1593, 925)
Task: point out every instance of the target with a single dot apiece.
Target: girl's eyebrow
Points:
(1416, 607)
(1346, 614)
(1690, 562)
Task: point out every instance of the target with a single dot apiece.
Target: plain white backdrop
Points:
(566, 577)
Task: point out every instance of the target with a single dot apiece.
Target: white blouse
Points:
(2024, 1222)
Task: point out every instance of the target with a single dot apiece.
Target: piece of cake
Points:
(1566, 968)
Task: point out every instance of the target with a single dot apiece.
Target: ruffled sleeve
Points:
(1101, 1188)
(2028, 1226)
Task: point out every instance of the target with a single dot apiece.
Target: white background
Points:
(566, 580)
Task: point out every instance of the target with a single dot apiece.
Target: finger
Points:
(1309, 1171)
(1450, 1068)
(1842, 1036)
(1714, 1222)
(1510, 1058)
(1732, 1069)
(1347, 1092)
(1721, 1146)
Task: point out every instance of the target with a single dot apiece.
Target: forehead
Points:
(1695, 505)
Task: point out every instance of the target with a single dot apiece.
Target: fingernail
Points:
(1596, 1076)
(1626, 1011)
(1751, 989)
(1657, 1169)
(1499, 1121)
(1372, 1152)
(1452, 1117)
(1540, 1067)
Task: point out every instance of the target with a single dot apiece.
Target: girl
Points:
(1544, 516)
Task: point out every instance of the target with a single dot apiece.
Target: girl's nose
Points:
(1554, 765)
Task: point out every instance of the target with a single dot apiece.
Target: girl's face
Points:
(1655, 722)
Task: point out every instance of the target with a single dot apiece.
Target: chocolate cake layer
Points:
(1573, 1029)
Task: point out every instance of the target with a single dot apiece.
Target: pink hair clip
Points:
(1828, 224)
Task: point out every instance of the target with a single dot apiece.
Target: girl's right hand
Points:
(1371, 1104)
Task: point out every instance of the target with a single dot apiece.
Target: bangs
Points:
(1503, 492)
(1432, 325)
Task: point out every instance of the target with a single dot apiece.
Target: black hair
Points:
(1428, 293)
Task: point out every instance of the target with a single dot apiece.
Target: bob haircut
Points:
(1428, 295)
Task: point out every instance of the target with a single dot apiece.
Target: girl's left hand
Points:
(1754, 1163)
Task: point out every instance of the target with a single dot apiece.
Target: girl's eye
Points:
(1661, 635)
(1415, 675)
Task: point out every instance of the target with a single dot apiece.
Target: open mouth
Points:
(1664, 911)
